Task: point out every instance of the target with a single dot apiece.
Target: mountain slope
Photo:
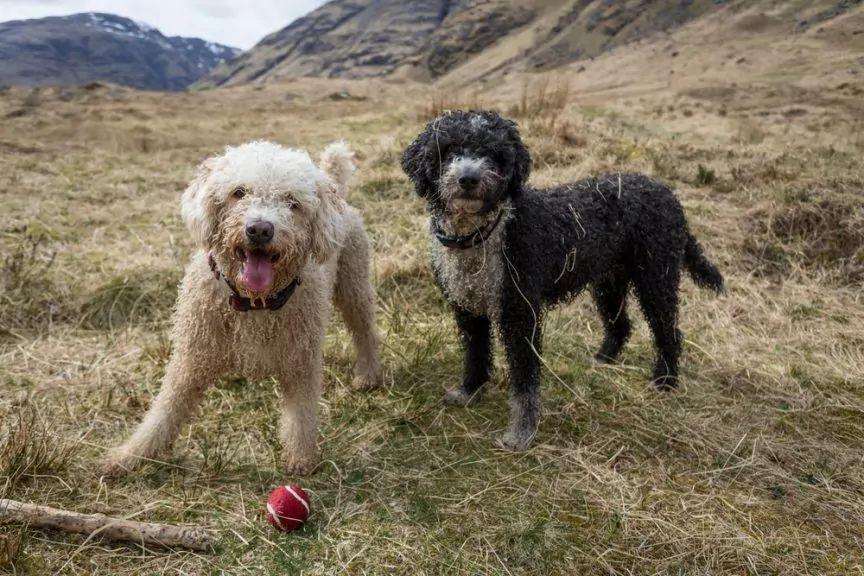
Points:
(88, 47)
(428, 39)
(463, 40)
(350, 38)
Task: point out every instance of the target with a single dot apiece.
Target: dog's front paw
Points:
(299, 465)
(367, 372)
(460, 397)
(116, 464)
(665, 382)
(110, 468)
(363, 382)
(524, 419)
(515, 441)
(600, 359)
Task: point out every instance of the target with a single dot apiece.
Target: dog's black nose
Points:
(259, 232)
(468, 181)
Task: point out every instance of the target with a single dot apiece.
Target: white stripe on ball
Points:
(275, 516)
(297, 497)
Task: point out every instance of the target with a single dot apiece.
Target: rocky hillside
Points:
(468, 39)
(429, 38)
(89, 47)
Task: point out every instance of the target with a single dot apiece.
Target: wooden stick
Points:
(193, 537)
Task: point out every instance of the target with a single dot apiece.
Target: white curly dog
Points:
(276, 243)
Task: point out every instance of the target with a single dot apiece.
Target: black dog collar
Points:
(468, 240)
(242, 304)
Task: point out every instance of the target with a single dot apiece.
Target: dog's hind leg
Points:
(475, 332)
(611, 299)
(355, 298)
(656, 284)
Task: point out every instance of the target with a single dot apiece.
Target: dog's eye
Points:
(239, 192)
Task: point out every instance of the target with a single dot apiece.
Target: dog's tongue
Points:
(258, 272)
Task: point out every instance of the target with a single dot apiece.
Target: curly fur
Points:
(319, 238)
(606, 233)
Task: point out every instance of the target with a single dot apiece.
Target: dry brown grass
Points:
(753, 467)
(28, 450)
(442, 102)
(12, 542)
(819, 229)
(29, 299)
(543, 98)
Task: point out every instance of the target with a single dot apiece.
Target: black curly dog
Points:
(505, 251)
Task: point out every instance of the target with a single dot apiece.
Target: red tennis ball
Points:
(288, 508)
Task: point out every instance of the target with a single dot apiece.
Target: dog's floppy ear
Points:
(414, 164)
(327, 225)
(521, 160)
(198, 206)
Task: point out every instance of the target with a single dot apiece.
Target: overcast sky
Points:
(239, 24)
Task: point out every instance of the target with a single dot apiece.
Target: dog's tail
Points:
(703, 272)
(337, 161)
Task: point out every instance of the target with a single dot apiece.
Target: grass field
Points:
(754, 466)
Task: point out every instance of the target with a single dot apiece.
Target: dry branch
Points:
(193, 537)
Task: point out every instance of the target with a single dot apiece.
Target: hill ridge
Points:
(99, 46)
(466, 40)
